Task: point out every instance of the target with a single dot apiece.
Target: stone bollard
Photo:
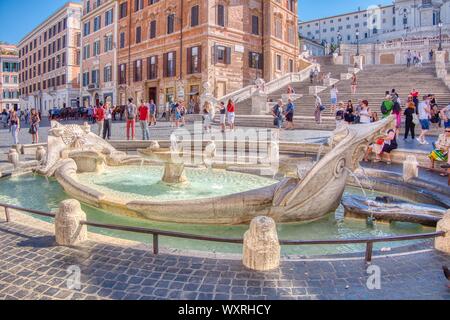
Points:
(68, 230)
(443, 243)
(261, 246)
(410, 168)
(13, 157)
(41, 153)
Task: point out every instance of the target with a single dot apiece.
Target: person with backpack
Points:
(319, 107)
(410, 114)
(289, 114)
(277, 112)
(152, 112)
(387, 106)
(130, 115)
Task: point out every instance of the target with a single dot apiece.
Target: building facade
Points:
(402, 19)
(50, 61)
(99, 51)
(167, 49)
(9, 77)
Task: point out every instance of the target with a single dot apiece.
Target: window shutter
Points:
(199, 58)
(156, 67)
(250, 59)
(165, 65)
(148, 68)
(189, 60)
(214, 54)
(261, 61)
(228, 55)
(174, 64)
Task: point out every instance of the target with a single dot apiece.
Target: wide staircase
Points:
(373, 82)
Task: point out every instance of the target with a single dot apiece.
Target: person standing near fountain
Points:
(409, 118)
(441, 149)
(14, 122)
(144, 118)
(231, 113)
(289, 113)
(100, 117)
(34, 126)
(152, 108)
(130, 115)
(223, 116)
(424, 118)
(107, 126)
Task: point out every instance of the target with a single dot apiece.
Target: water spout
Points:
(370, 220)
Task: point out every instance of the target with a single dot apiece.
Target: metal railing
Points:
(369, 241)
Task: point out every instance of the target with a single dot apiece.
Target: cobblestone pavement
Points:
(31, 267)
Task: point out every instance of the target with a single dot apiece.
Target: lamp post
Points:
(357, 42)
(440, 35)
(339, 39)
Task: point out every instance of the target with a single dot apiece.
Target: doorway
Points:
(152, 94)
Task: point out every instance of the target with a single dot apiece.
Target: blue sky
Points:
(13, 26)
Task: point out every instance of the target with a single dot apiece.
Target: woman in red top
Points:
(231, 114)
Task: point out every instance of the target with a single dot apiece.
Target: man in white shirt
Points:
(424, 118)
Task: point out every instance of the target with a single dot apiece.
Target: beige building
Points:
(9, 77)
(168, 48)
(49, 61)
(99, 51)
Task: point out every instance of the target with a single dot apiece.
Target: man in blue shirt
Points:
(289, 113)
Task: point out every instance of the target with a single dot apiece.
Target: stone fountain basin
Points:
(394, 210)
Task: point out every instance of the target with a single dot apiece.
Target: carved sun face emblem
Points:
(72, 134)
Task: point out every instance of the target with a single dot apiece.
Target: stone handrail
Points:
(272, 86)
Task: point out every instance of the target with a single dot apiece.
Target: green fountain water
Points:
(33, 191)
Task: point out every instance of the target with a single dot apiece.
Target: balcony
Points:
(93, 86)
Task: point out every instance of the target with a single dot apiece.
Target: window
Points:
(279, 29)
(152, 33)
(291, 5)
(123, 10)
(64, 41)
(170, 23)
(138, 35)
(221, 15)
(138, 5)
(137, 71)
(85, 79)
(194, 16)
(96, 48)
(222, 54)
(122, 40)
(87, 28)
(107, 74)
(109, 17)
(152, 67)
(255, 60)
(278, 62)
(63, 59)
(194, 60)
(86, 52)
(170, 64)
(122, 74)
(97, 23)
(255, 25)
(291, 65)
(108, 43)
(95, 76)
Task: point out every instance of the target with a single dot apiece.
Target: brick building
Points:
(99, 51)
(49, 61)
(9, 77)
(168, 48)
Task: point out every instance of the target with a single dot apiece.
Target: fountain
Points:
(92, 171)
(174, 169)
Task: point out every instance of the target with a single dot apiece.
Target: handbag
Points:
(322, 107)
(415, 119)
